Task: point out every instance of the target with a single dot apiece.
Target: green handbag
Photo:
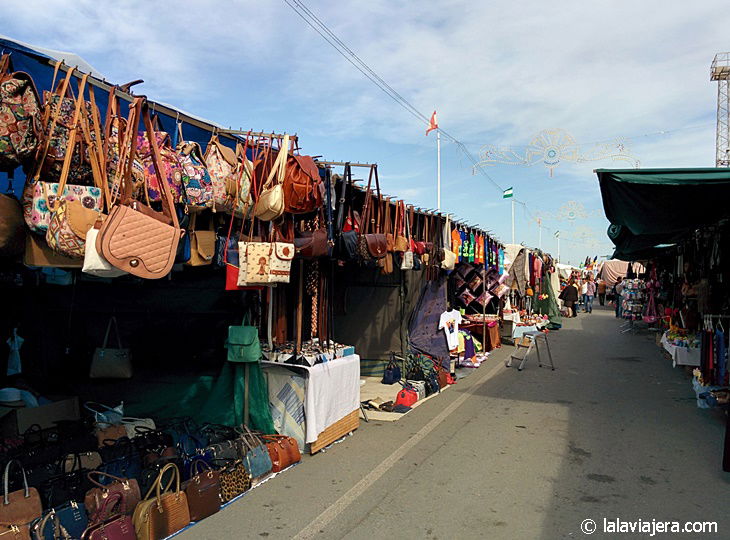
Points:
(243, 342)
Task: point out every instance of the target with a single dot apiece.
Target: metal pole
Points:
(438, 171)
(558, 247)
(513, 219)
(539, 229)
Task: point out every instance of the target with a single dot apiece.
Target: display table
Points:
(489, 342)
(332, 395)
(681, 356)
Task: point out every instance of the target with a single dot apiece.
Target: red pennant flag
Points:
(432, 124)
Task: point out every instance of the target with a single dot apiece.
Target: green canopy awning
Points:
(652, 207)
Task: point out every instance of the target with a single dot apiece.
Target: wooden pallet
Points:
(336, 431)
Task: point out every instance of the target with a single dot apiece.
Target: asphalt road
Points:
(613, 433)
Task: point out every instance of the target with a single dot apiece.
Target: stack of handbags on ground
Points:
(118, 477)
(113, 194)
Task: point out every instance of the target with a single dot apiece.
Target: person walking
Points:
(569, 296)
(583, 294)
(590, 286)
(601, 290)
(618, 289)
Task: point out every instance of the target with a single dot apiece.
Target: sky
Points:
(497, 72)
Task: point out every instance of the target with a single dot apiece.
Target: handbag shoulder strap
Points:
(112, 321)
(278, 170)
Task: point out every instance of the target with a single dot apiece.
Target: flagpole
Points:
(438, 172)
(539, 229)
(513, 219)
(558, 246)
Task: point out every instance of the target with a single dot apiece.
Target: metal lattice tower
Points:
(720, 72)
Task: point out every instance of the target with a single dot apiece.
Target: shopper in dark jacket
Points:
(569, 296)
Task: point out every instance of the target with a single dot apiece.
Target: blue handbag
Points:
(256, 459)
(392, 373)
(70, 517)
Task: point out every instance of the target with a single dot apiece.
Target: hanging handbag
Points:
(21, 124)
(407, 262)
(223, 168)
(234, 480)
(19, 508)
(134, 237)
(371, 245)
(70, 220)
(270, 202)
(94, 262)
(256, 459)
(109, 522)
(108, 362)
(40, 196)
(401, 242)
(302, 185)
(159, 164)
(243, 342)
(283, 451)
(196, 179)
(162, 512)
(347, 236)
(239, 193)
(202, 244)
(115, 128)
(448, 261)
(280, 263)
(203, 491)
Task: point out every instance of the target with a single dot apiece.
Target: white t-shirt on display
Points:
(449, 322)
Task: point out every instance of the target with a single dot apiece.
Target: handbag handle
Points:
(6, 481)
(58, 529)
(278, 170)
(158, 483)
(102, 473)
(112, 320)
(199, 465)
(107, 507)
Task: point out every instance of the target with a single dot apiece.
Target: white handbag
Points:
(407, 262)
(449, 261)
(280, 263)
(94, 262)
(270, 203)
(131, 424)
(254, 260)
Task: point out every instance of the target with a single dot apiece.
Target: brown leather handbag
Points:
(283, 451)
(162, 512)
(203, 491)
(135, 238)
(372, 245)
(303, 186)
(18, 508)
(202, 244)
(127, 488)
(401, 242)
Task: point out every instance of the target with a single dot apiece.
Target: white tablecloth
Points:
(333, 392)
(681, 356)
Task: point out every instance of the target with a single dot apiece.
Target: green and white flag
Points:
(557, 234)
(507, 193)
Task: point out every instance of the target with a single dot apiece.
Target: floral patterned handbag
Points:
(195, 177)
(39, 196)
(20, 118)
(169, 162)
(222, 167)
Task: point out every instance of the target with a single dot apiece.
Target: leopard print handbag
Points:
(234, 480)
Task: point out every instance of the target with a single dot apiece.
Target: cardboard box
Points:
(14, 422)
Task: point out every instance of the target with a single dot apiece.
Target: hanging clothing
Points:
(721, 357)
(456, 242)
(464, 246)
(449, 323)
(472, 247)
(500, 261)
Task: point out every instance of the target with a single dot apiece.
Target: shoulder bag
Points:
(160, 164)
(19, 508)
(40, 195)
(196, 179)
(203, 491)
(222, 167)
(108, 362)
(270, 202)
(302, 185)
(64, 522)
(371, 245)
(239, 192)
(407, 262)
(134, 237)
(202, 244)
(347, 236)
(162, 512)
(21, 126)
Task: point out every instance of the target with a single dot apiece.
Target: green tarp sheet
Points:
(650, 207)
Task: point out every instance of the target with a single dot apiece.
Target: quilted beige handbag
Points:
(135, 238)
(270, 203)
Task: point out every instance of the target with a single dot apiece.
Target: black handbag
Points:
(64, 488)
(392, 373)
(151, 472)
(217, 433)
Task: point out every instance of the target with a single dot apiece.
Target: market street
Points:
(612, 433)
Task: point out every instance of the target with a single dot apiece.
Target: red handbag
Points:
(408, 396)
(116, 527)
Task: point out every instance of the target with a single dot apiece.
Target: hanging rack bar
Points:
(342, 164)
(245, 133)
